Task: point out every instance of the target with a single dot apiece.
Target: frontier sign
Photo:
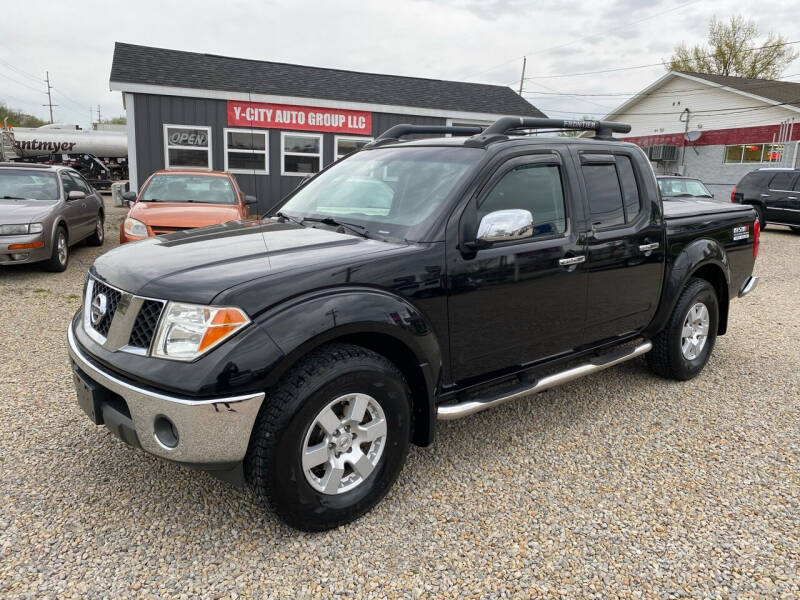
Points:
(298, 118)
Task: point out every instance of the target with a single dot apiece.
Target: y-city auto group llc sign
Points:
(299, 118)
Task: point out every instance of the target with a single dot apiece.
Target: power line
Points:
(22, 72)
(21, 83)
(708, 112)
(660, 64)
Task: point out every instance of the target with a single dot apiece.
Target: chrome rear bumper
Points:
(209, 432)
(748, 286)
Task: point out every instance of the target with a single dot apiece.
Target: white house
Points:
(715, 127)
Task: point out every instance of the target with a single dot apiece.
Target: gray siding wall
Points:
(153, 111)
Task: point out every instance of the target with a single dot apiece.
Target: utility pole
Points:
(688, 115)
(98, 114)
(522, 77)
(49, 98)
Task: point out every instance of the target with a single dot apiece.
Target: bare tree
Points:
(732, 50)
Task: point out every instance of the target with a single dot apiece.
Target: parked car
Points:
(673, 187)
(303, 352)
(43, 211)
(774, 193)
(172, 201)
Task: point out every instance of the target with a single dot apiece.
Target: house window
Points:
(246, 151)
(754, 153)
(187, 147)
(346, 145)
(301, 153)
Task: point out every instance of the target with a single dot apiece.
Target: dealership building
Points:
(272, 123)
(714, 127)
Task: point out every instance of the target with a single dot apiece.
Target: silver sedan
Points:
(43, 211)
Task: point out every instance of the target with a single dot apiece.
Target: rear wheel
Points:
(683, 347)
(760, 214)
(331, 438)
(98, 236)
(59, 257)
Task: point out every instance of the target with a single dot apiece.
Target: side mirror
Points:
(129, 198)
(250, 200)
(76, 195)
(505, 226)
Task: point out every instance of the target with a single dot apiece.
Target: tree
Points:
(732, 50)
(17, 118)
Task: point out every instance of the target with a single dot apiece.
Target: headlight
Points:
(188, 331)
(35, 228)
(134, 227)
(20, 229)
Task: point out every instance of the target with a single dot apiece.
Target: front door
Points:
(514, 303)
(74, 211)
(625, 246)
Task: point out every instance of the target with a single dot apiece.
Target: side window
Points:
(81, 183)
(69, 184)
(605, 195)
(535, 187)
(630, 190)
(782, 181)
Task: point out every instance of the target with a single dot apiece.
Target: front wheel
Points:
(59, 256)
(331, 438)
(683, 347)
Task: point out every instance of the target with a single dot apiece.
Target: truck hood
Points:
(677, 208)
(196, 265)
(183, 214)
(23, 211)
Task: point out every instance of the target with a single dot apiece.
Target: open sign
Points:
(188, 137)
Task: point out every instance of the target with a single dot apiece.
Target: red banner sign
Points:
(298, 118)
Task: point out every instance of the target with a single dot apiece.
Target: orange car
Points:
(175, 200)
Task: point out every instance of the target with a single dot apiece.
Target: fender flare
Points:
(706, 254)
(383, 321)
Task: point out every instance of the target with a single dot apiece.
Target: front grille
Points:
(145, 325)
(112, 300)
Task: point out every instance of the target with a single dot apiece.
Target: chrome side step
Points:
(449, 412)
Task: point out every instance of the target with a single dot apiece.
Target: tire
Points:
(668, 357)
(760, 214)
(59, 257)
(289, 423)
(98, 237)
(795, 229)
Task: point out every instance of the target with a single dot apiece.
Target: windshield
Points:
(206, 189)
(28, 184)
(682, 187)
(388, 191)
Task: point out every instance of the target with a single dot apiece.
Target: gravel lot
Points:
(619, 485)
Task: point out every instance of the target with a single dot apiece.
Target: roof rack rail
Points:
(393, 134)
(508, 125)
(25, 164)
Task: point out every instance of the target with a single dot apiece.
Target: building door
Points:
(514, 303)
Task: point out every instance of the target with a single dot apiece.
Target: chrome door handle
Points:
(765, 195)
(792, 198)
(572, 260)
(648, 247)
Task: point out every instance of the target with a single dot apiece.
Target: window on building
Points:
(346, 145)
(536, 188)
(754, 153)
(187, 147)
(301, 153)
(246, 151)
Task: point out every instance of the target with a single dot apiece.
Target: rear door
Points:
(625, 244)
(782, 198)
(520, 301)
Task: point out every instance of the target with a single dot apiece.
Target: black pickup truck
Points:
(409, 282)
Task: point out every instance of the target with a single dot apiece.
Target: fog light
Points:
(20, 255)
(165, 431)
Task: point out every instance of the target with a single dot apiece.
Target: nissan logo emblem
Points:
(99, 305)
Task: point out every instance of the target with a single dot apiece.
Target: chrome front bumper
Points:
(209, 432)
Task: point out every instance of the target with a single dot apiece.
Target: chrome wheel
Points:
(695, 331)
(99, 231)
(344, 443)
(61, 248)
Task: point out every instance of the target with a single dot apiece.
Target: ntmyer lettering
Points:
(53, 147)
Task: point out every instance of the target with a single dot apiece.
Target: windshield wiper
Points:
(357, 229)
(13, 198)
